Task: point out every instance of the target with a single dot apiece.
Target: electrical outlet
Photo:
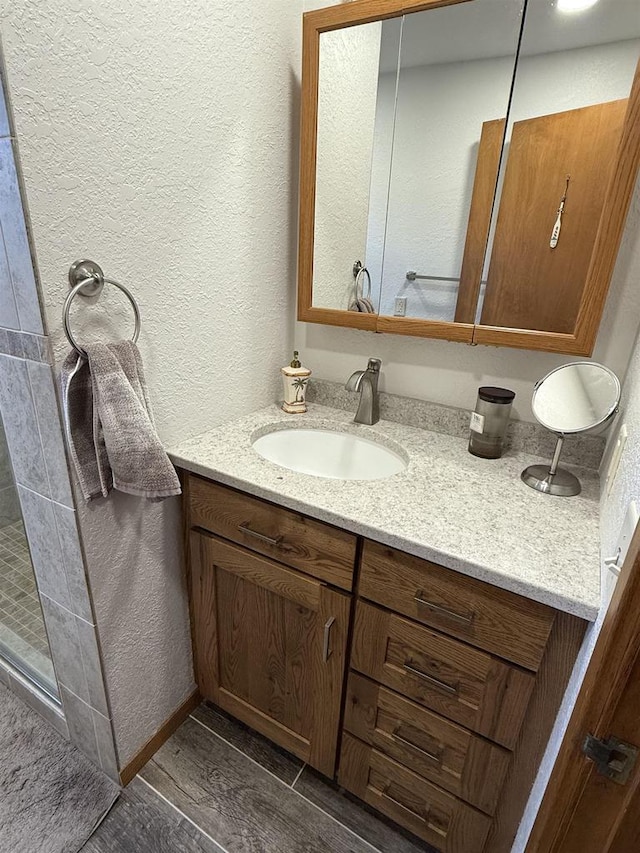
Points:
(614, 561)
(400, 306)
(616, 455)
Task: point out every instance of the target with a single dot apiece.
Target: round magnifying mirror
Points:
(577, 397)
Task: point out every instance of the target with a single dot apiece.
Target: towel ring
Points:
(87, 279)
(361, 301)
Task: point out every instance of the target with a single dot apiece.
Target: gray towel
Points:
(109, 424)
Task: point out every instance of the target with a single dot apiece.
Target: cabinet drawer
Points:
(437, 749)
(318, 549)
(493, 619)
(463, 684)
(443, 821)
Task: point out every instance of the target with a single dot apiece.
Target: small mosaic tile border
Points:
(583, 450)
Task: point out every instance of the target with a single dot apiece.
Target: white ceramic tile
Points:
(16, 243)
(21, 425)
(44, 544)
(46, 407)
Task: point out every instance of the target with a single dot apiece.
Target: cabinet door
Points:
(270, 646)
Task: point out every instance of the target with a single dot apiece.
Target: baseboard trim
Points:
(163, 734)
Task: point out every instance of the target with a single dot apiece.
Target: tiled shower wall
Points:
(34, 437)
(9, 509)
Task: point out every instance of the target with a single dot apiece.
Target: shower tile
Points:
(30, 346)
(73, 562)
(92, 666)
(46, 406)
(106, 750)
(21, 425)
(9, 506)
(46, 553)
(12, 221)
(62, 629)
(8, 308)
(81, 727)
(14, 345)
(5, 130)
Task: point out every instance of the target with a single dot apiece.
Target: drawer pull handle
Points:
(385, 793)
(326, 651)
(441, 685)
(450, 614)
(261, 536)
(395, 734)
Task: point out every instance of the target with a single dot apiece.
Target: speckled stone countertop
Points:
(472, 515)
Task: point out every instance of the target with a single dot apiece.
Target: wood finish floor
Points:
(218, 787)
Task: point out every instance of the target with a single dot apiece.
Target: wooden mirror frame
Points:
(605, 249)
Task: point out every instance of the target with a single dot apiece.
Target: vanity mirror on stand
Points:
(475, 160)
(573, 398)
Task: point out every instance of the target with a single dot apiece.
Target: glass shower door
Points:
(23, 638)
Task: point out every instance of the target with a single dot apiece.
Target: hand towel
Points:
(83, 428)
(127, 453)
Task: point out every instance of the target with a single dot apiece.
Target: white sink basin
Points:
(328, 453)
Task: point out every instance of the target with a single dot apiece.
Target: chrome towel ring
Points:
(87, 279)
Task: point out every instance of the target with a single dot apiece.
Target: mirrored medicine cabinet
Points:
(467, 167)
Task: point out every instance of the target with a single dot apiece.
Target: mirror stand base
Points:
(562, 483)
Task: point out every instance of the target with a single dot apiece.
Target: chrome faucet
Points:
(366, 382)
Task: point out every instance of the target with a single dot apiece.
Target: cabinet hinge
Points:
(613, 758)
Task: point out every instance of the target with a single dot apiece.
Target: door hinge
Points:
(613, 758)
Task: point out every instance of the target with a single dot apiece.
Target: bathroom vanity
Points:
(408, 636)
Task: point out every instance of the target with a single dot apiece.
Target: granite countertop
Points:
(472, 515)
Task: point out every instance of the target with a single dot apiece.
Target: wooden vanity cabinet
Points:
(453, 690)
(270, 641)
(428, 694)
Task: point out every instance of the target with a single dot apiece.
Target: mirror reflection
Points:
(576, 397)
(572, 80)
(452, 96)
(463, 158)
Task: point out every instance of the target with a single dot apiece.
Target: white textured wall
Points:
(161, 140)
(347, 91)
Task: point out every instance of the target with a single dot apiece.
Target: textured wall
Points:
(159, 139)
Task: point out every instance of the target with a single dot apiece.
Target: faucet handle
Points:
(374, 364)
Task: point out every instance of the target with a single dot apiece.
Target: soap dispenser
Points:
(295, 378)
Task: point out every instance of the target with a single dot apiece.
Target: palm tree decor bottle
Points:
(295, 378)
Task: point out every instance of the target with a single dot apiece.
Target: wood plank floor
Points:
(216, 786)
(142, 822)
